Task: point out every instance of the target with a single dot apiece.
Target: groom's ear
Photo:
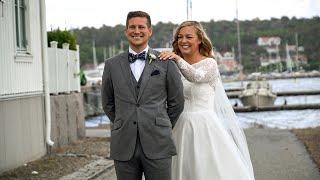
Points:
(150, 31)
(125, 32)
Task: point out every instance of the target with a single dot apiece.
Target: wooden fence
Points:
(64, 69)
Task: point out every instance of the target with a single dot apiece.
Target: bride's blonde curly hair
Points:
(205, 47)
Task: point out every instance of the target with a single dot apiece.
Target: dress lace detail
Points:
(205, 71)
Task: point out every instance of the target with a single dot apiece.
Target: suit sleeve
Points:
(175, 98)
(107, 93)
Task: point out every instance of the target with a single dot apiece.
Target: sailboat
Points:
(257, 93)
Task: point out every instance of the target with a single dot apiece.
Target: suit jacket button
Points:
(138, 105)
(134, 122)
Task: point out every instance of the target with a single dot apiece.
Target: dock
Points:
(234, 93)
(277, 107)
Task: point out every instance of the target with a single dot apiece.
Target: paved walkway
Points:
(279, 155)
(94, 170)
(276, 155)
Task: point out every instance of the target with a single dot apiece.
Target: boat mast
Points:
(189, 10)
(297, 52)
(239, 43)
(95, 64)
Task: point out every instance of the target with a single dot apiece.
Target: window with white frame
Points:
(20, 25)
(2, 8)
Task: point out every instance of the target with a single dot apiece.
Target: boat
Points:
(258, 93)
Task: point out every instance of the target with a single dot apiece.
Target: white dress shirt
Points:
(138, 66)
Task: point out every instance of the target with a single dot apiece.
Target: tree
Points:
(221, 33)
(62, 37)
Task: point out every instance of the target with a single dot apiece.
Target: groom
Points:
(143, 98)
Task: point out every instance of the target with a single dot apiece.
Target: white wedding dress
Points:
(210, 143)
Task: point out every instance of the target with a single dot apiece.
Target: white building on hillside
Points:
(271, 45)
(269, 41)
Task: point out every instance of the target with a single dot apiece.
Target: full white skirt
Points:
(205, 150)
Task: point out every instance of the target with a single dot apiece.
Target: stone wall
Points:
(67, 116)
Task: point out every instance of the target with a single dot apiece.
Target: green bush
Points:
(83, 79)
(62, 37)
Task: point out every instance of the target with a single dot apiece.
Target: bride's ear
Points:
(199, 41)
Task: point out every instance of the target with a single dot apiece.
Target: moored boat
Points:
(257, 93)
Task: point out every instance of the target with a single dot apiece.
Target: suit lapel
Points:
(145, 78)
(126, 71)
(148, 68)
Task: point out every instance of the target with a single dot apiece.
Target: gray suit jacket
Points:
(153, 112)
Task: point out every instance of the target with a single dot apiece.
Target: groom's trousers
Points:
(153, 169)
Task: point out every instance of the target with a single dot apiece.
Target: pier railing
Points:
(64, 69)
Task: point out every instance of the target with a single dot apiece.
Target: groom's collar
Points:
(133, 52)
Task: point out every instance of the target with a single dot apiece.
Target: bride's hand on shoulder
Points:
(165, 55)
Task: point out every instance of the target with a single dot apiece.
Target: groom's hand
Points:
(175, 98)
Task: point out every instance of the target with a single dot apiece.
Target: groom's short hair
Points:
(133, 14)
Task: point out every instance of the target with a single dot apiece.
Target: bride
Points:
(210, 142)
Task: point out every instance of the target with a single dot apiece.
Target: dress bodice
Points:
(199, 82)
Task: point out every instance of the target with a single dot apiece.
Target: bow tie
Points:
(133, 57)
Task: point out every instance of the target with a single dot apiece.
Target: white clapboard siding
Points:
(20, 74)
(64, 69)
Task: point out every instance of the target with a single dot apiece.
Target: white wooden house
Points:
(25, 119)
(22, 105)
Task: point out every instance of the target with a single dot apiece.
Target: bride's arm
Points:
(208, 72)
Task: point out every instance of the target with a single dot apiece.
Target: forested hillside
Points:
(110, 40)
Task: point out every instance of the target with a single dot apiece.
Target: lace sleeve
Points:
(206, 71)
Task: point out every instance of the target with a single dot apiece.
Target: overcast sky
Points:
(79, 13)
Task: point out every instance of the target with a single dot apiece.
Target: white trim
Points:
(20, 95)
(23, 57)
